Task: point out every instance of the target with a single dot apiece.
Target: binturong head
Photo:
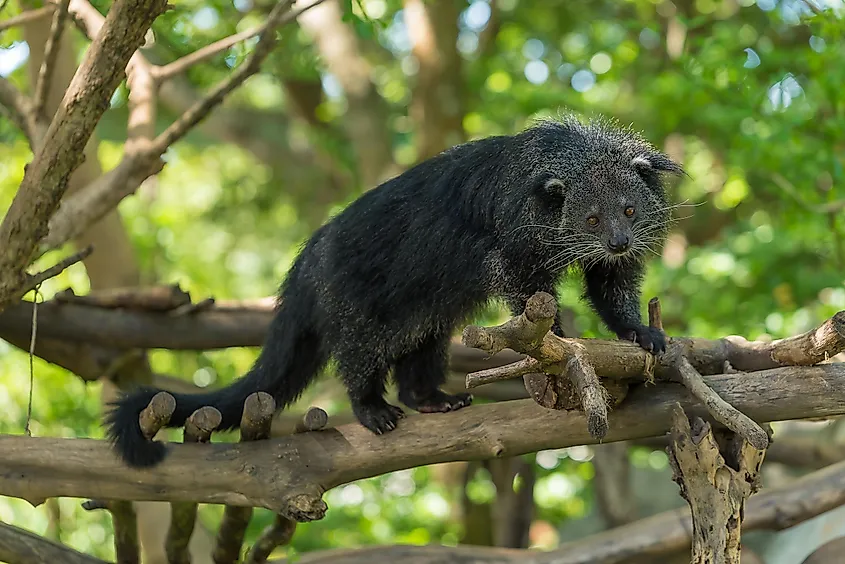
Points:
(597, 192)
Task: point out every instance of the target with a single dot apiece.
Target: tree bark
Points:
(290, 474)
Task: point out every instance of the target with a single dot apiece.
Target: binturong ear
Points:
(655, 163)
(552, 188)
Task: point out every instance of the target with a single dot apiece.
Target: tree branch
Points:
(51, 49)
(26, 17)
(21, 112)
(34, 280)
(85, 101)
(292, 472)
(92, 202)
(651, 539)
(22, 547)
(164, 72)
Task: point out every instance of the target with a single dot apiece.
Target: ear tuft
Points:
(640, 162)
(554, 186)
(656, 162)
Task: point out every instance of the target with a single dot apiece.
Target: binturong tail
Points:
(275, 372)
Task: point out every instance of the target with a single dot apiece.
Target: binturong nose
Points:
(619, 243)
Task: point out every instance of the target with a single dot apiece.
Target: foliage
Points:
(747, 94)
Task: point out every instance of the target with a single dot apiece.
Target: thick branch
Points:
(85, 101)
(22, 547)
(650, 539)
(627, 361)
(282, 473)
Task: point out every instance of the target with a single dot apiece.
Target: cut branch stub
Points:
(198, 429)
(201, 424)
(255, 425)
(715, 481)
(157, 414)
(313, 420)
(524, 332)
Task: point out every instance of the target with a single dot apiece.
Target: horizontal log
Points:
(652, 539)
(290, 473)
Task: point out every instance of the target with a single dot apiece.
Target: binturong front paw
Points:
(649, 338)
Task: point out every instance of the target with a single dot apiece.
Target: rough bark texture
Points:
(291, 473)
(716, 480)
(84, 103)
(18, 546)
(647, 540)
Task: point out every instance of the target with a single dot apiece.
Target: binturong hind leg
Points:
(419, 375)
(364, 375)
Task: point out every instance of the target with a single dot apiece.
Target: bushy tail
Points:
(290, 358)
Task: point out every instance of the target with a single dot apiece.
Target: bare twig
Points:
(26, 17)
(51, 50)
(21, 113)
(182, 64)
(35, 280)
(791, 190)
(280, 15)
(313, 420)
(46, 178)
(721, 410)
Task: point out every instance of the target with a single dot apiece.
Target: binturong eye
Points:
(592, 221)
(629, 211)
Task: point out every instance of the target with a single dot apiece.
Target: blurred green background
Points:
(748, 95)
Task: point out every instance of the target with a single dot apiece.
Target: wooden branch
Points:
(21, 112)
(143, 156)
(181, 65)
(626, 361)
(34, 280)
(721, 410)
(279, 16)
(594, 398)
(51, 49)
(26, 17)
(84, 103)
(651, 539)
(281, 474)
(198, 429)
(716, 480)
(256, 421)
(585, 358)
(277, 534)
(22, 547)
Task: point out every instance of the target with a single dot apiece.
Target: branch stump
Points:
(716, 473)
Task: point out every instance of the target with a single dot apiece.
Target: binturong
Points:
(382, 286)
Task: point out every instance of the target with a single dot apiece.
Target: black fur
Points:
(385, 283)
